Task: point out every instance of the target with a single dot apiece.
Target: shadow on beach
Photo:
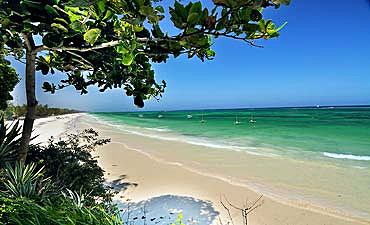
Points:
(119, 184)
(166, 209)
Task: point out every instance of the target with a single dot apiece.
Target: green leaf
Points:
(193, 18)
(108, 15)
(180, 10)
(138, 28)
(59, 27)
(159, 9)
(51, 11)
(122, 49)
(52, 40)
(61, 20)
(128, 59)
(77, 26)
(146, 11)
(92, 35)
(157, 32)
(255, 15)
(101, 5)
(196, 8)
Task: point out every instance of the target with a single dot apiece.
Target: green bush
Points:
(9, 141)
(44, 190)
(70, 164)
(25, 181)
(55, 211)
(23, 201)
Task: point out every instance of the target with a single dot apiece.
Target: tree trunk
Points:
(31, 105)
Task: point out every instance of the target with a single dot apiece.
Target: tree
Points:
(112, 44)
(8, 80)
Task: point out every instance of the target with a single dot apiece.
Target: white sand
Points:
(53, 126)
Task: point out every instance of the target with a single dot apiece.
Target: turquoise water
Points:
(341, 134)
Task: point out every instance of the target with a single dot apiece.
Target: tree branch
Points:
(27, 41)
(82, 58)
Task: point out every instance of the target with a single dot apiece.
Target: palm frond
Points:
(25, 180)
(10, 138)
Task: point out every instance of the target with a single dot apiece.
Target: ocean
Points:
(323, 152)
(342, 133)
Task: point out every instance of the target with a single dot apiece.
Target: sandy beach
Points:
(52, 126)
(141, 176)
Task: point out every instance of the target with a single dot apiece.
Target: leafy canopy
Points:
(8, 79)
(112, 44)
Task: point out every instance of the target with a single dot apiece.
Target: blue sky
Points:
(321, 58)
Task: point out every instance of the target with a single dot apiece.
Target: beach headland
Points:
(144, 178)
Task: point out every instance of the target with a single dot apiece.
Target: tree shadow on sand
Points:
(119, 185)
(165, 209)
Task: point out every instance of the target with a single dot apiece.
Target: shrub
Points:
(9, 141)
(23, 202)
(55, 211)
(25, 181)
(67, 164)
(70, 164)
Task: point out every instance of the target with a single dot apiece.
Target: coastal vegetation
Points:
(112, 44)
(60, 183)
(8, 80)
(17, 111)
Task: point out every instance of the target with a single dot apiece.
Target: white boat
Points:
(141, 115)
(237, 122)
(189, 116)
(252, 120)
(203, 121)
(160, 116)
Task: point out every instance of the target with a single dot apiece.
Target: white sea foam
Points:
(166, 134)
(346, 156)
(159, 129)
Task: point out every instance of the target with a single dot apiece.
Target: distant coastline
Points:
(42, 111)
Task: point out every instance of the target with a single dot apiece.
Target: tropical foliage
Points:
(9, 141)
(70, 165)
(8, 79)
(112, 44)
(54, 211)
(45, 191)
(25, 180)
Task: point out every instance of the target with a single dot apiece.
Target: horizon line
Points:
(240, 108)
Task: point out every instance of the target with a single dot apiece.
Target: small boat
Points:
(237, 122)
(160, 116)
(203, 121)
(189, 116)
(141, 115)
(252, 120)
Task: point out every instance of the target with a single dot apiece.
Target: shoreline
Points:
(174, 178)
(324, 199)
(275, 197)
